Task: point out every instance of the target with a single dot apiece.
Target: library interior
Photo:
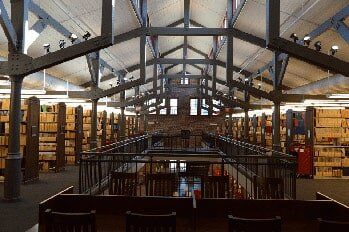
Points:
(174, 115)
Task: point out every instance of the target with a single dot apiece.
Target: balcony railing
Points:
(247, 171)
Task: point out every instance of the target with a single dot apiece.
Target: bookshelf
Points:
(327, 133)
(52, 137)
(29, 141)
(86, 125)
(70, 135)
(74, 134)
(79, 133)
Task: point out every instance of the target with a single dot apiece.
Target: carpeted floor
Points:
(337, 189)
(22, 215)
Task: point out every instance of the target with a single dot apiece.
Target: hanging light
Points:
(87, 35)
(334, 49)
(73, 38)
(62, 44)
(47, 47)
(294, 37)
(307, 40)
(318, 46)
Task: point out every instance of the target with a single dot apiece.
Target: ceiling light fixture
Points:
(87, 35)
(318, 46)
(294, 37)
(62, 44)
(47, 47)
(334, 49)
(73, 38)
(307, 40)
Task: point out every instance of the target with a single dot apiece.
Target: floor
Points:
(23, 215)
(50, 183)
(337, 189)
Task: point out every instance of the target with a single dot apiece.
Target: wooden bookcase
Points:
(52, 137)
(79, 132)
(70, 135)
(327, 132)
(74, 134)
(86, 125)
(29, 137)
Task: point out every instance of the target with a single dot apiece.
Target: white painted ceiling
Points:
(79, 16)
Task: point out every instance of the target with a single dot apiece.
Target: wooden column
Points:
(31, 157)
(79, 132)
(60, 140)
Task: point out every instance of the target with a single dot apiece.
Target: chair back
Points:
(150, 223)
(123, 184)
(216, 187)
(330, 226)
(251, 225)
(161, 184)
(77, 222)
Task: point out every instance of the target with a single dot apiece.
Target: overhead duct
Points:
(36, 81)
(333, 84)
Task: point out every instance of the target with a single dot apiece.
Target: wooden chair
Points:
(216, 187)
(329, 226)
(123, 184)
(161, 184)
(251, 225)
(150, 223)
(77, 222)
(268, 188)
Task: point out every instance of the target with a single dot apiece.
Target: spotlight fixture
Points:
(307, 40)
(73, 38)
(294, 37)
(334, 49)
(47, 47)
(235, 97)
(317, 46)
(259, 84)
(87, 35)
(62, 44)
(246, 79)
(270, 69)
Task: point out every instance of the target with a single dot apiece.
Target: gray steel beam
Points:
(197, 51)
(93, 61)
(35, 31)
(311, 56)
(272, 20)
(238, 12)
(163, 55)
(180, 75)
(193, 31)
(230, 48)
(337, 22)
(108, 18)
(143, 39)
(186, 25)
(183, 61)
(137, 11)
(13, 175)
(7, 26)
